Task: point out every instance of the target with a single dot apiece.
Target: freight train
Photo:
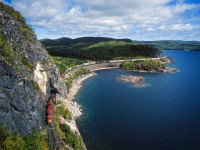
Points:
(49, 109)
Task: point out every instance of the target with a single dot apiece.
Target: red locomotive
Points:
(49, 110)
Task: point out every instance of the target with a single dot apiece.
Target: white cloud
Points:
(177, 27)
(107, 18)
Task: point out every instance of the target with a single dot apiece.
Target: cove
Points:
(163, 115)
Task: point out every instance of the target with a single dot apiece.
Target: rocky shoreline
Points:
(159, 70)
(72, 106)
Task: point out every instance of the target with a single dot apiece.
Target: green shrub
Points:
(72, 139)
(81, 71)
(14, 142)
(142, 65)
(3, 134)
(35, 141)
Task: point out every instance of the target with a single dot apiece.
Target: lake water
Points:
(165, 115)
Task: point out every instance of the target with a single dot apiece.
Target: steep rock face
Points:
(25, 83)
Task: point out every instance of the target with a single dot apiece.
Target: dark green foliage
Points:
(84, 40)
(3, 135)
(14, 142)
(9, 141)
(80, 72)
(72, 139)
(36, 141)
(173, 45)
(142, 65)
(105, 50)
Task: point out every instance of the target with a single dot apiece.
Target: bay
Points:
(163, 115)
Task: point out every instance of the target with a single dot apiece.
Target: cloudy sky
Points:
(135, 19)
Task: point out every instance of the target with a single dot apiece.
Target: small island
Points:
(135, 80)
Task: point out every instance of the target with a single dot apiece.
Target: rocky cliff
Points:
(26, 74)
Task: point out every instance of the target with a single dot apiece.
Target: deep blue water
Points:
(162, 116)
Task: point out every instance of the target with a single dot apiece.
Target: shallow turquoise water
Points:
(163, 115)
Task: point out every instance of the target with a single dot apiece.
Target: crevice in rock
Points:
(13, 106)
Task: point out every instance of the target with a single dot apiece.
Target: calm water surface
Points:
(162, 116)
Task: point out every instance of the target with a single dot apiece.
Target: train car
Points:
(106, 61)
(92, 63)
(49, 109)
(127, 60)
(113, 61)
(85, 64)
(49, 119)
(68, 69)
(120, 60)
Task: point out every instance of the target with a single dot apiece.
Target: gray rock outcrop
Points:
(22, 104)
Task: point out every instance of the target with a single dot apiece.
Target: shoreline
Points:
(76, 85)
(72, 106)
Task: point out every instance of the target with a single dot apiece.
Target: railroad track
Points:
(54, 141)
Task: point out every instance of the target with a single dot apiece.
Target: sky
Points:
(134, 19)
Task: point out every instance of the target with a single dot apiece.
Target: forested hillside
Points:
(99, 48)
(173, 45)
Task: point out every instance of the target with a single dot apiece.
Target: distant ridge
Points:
(172, 44)
(67, 41)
